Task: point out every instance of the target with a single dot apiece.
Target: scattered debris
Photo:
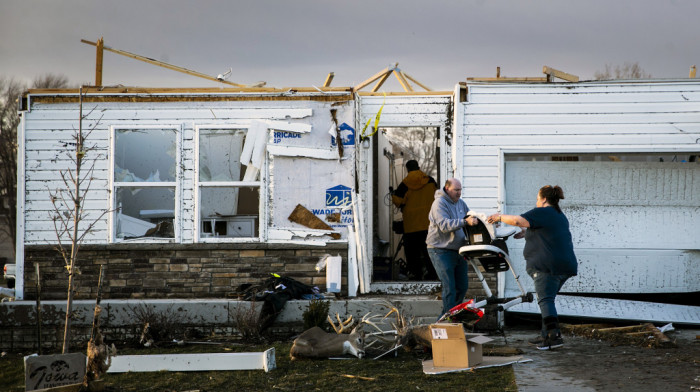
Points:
(501, 351)
(643, 335)
(304, 217)
(274, 293)
(4, 292)
(99, 355)
(359, 377)
(430, 368)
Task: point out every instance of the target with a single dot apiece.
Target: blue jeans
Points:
(451, 268)
(547, 287)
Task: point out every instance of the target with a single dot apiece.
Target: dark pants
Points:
(547, 287)
(417, 257)
(452, 270)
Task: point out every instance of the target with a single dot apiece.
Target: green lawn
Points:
(402, 373)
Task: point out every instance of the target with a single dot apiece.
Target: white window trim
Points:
(262, 206)
(177, 220)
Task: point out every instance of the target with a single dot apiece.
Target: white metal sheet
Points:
(605, 308)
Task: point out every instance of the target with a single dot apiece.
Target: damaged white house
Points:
(199, 184)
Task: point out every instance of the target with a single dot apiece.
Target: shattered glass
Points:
(226, 211)
(145, 155)
(145, 212)
(220, 155)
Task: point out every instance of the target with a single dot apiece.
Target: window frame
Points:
(198, 185)
(177, 184)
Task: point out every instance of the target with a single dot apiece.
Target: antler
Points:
(401, 322)
(367, 319)
(342, 325)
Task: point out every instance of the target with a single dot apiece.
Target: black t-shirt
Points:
(548, 244)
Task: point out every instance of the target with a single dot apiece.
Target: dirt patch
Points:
(594, 364)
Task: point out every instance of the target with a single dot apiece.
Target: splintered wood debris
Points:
(642, 335)
(304, 217)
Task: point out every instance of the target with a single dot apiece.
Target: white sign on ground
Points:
(49, 371)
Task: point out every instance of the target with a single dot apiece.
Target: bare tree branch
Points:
(69, 209)
(624, 71)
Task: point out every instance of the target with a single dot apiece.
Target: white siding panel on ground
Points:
(605, 308)
(631, 221)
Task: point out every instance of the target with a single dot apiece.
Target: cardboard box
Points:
(455, 349)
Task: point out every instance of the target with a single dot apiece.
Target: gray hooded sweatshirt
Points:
(446, 222)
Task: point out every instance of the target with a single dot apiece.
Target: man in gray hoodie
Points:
(448, 216)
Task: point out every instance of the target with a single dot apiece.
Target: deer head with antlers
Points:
(317, 343)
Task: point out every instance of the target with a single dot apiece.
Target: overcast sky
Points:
(297, 43)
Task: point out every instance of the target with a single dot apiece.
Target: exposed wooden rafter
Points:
(329, 79)
(555, 73)
(549, 71)
(384, 74)
(98, 62)
(98, 74)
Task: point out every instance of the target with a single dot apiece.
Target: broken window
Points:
(145, 172)
(229, 191)
(417, 143)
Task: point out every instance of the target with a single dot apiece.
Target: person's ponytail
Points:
(552, 194)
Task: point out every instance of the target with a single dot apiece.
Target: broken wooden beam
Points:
(551, 72)
(631, 328)
(161, 63)
(658, 335)
(98, 62)
(329, 79)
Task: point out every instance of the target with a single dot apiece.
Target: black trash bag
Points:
(275, 292)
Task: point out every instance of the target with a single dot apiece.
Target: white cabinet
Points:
(229, 226)
(241, 226)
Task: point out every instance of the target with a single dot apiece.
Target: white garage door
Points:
(634, 224)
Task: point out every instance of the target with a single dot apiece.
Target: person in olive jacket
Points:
(414, 196)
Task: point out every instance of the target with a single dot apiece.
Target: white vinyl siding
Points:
(50, 127)
(630, 220)
(569, 117)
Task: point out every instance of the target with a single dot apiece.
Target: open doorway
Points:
(394, 148)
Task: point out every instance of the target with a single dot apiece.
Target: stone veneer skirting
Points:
(141, 271)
